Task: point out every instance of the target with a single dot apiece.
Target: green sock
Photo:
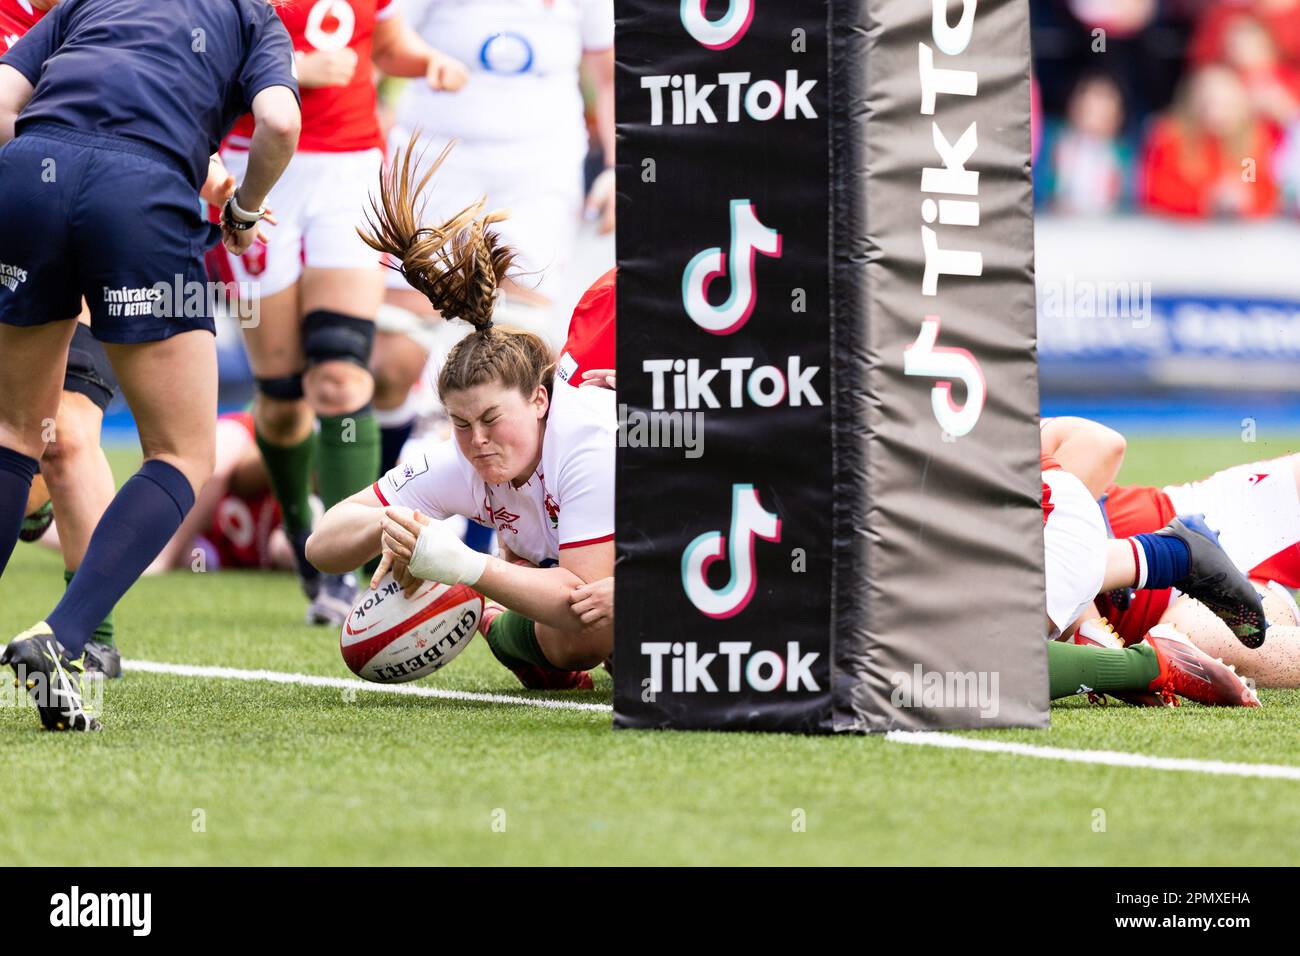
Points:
(289, 468)
(1072, 668)
(513, 639)
(349, 454)
(104, 630)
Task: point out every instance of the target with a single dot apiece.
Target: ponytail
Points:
(459, 267)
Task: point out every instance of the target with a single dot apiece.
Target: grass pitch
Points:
(209, 771)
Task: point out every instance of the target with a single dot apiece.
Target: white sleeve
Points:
(412, 11)
(597, 25)
(385, 9)
(586, 492)
(432, 482)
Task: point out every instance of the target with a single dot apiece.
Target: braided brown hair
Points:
(458, 266)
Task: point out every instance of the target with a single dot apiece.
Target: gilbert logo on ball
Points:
(391, 639)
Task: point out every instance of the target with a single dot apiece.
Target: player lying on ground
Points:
(1081, 562)
(1093, 454)
(131, 126)
(235, 522)
(530, 457)
(1255, 508)
(320, 286)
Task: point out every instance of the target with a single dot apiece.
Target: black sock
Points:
(137, 525)
(104, 631)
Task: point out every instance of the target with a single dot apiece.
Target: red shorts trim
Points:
(380, 494)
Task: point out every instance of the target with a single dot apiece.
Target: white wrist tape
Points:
(243, 215)
(441, 556)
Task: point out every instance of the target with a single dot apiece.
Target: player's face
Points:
(498, 430)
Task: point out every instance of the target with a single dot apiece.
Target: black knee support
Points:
(89, 372)
(335, 337)
(286, 389)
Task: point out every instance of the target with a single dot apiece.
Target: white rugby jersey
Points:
(568, 502)
(523, 57)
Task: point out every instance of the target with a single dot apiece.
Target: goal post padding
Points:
(828, 498)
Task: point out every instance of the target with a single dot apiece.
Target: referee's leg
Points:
(75, 468)
(31, 380)
(171, 387)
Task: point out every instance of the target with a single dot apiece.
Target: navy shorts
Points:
(108, 219)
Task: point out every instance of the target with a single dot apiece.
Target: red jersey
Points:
(1134, 509)
(1281, 20)
(241, 527)
(16, 18)
(1189, 174)
(591, 332)
(1047, 463)
(335, 119)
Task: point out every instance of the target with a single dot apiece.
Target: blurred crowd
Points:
(1184, 108)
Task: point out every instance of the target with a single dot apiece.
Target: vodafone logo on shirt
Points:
(330, 25)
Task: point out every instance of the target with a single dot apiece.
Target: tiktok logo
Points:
(748, 236)
(717, 34)
(926, 358)
(749, 520)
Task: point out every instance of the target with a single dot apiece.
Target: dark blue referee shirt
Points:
(174, 74)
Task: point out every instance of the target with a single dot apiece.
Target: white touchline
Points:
(1112, 758)
(343, 683)
(921, 738)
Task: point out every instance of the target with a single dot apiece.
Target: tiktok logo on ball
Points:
(749, 520)
(748, 237)
(717, 34)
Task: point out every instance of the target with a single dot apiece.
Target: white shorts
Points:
(541, 188)
(319, 202)
(1074, 541)
(1255, 508)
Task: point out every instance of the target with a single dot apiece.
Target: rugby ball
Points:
(391, 639)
